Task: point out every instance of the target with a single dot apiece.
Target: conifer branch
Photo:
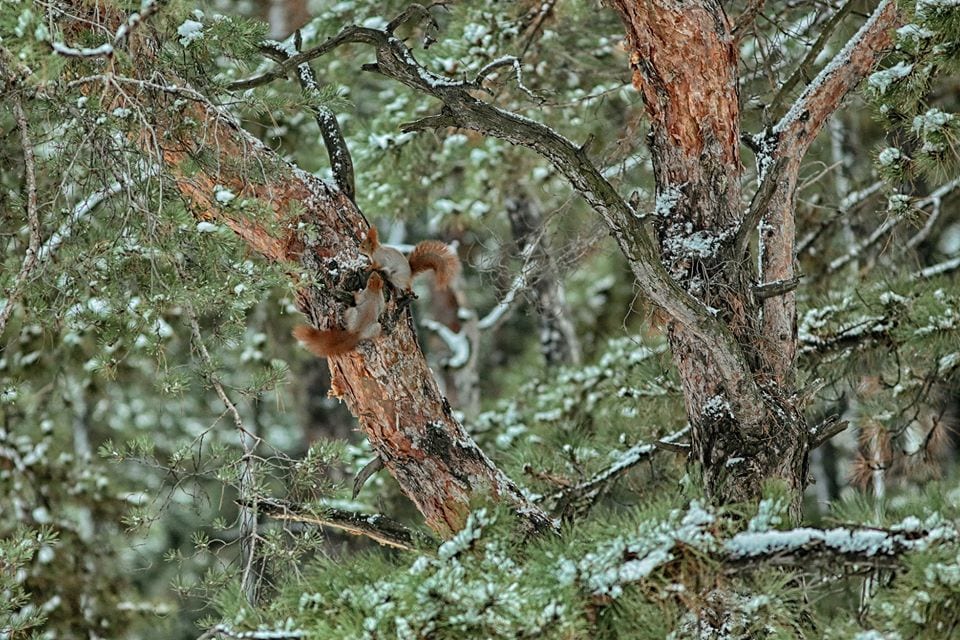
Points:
(376, 526)
(933, 201)
(249, 441)
(577, 500)
(341, 162)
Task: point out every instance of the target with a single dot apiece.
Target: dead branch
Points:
(377, 527)
(32, 256)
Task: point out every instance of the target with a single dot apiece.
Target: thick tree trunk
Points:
(685, 59)
(291, 217)
(685, 65)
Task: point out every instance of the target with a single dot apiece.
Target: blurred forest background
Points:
(151, 392)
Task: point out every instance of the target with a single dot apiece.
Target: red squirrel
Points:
(361, 322)
(362, 319)
(427, 255)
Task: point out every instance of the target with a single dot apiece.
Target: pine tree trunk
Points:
(293, 218)
(685, 60)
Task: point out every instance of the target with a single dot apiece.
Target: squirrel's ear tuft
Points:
(372, 234)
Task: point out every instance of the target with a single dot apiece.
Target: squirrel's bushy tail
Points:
(326, 343)
(438, 257)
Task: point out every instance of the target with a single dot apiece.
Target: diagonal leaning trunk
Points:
(685, 59)
(293, 218)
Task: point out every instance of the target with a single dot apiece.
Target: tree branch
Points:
(377, 527)
(395, 61)
(341, 163)
(805, 68)
(575, 501)
(789, 139)
(32, 257)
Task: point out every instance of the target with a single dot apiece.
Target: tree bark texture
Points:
(294, 218)
(685, 58)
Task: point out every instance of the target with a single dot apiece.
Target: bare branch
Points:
(778, 288)
(577, 500)
(248, 513)
(745, 19)
(349, 35)
(939, 269)
(822, 432)
(850, 204)
(790, 138)
(805, 69)
(506, 61)
(32, 256)
(377, 527)
(933, 200)
(147, 9)
(341, 162)
(368, 470)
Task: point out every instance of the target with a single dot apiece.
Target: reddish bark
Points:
(386, 381)
(684, 58)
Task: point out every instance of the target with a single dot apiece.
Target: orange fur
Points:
(437, 256)
(360, 319)
(429, 255)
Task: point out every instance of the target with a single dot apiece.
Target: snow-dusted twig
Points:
(939, 269)
(933, 200)
(576, 500)
(493, 317)
(341, 162)
(226, 631)
(848, 205)
(377, 527)
(147, 9)
(505, 61)
(32, 257)
(840, 546)
(110, 78)
(83, 209)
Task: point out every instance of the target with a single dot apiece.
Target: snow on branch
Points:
(697, 534)
(226, 631)
(800, 125)
(506, 61)
(939, 269)
(840, 545)
(578, 499)
(933, 201)
(462, 109)
(341, 162)
(147, 9)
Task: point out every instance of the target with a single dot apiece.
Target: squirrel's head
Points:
(375, 282)
(370, 241)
